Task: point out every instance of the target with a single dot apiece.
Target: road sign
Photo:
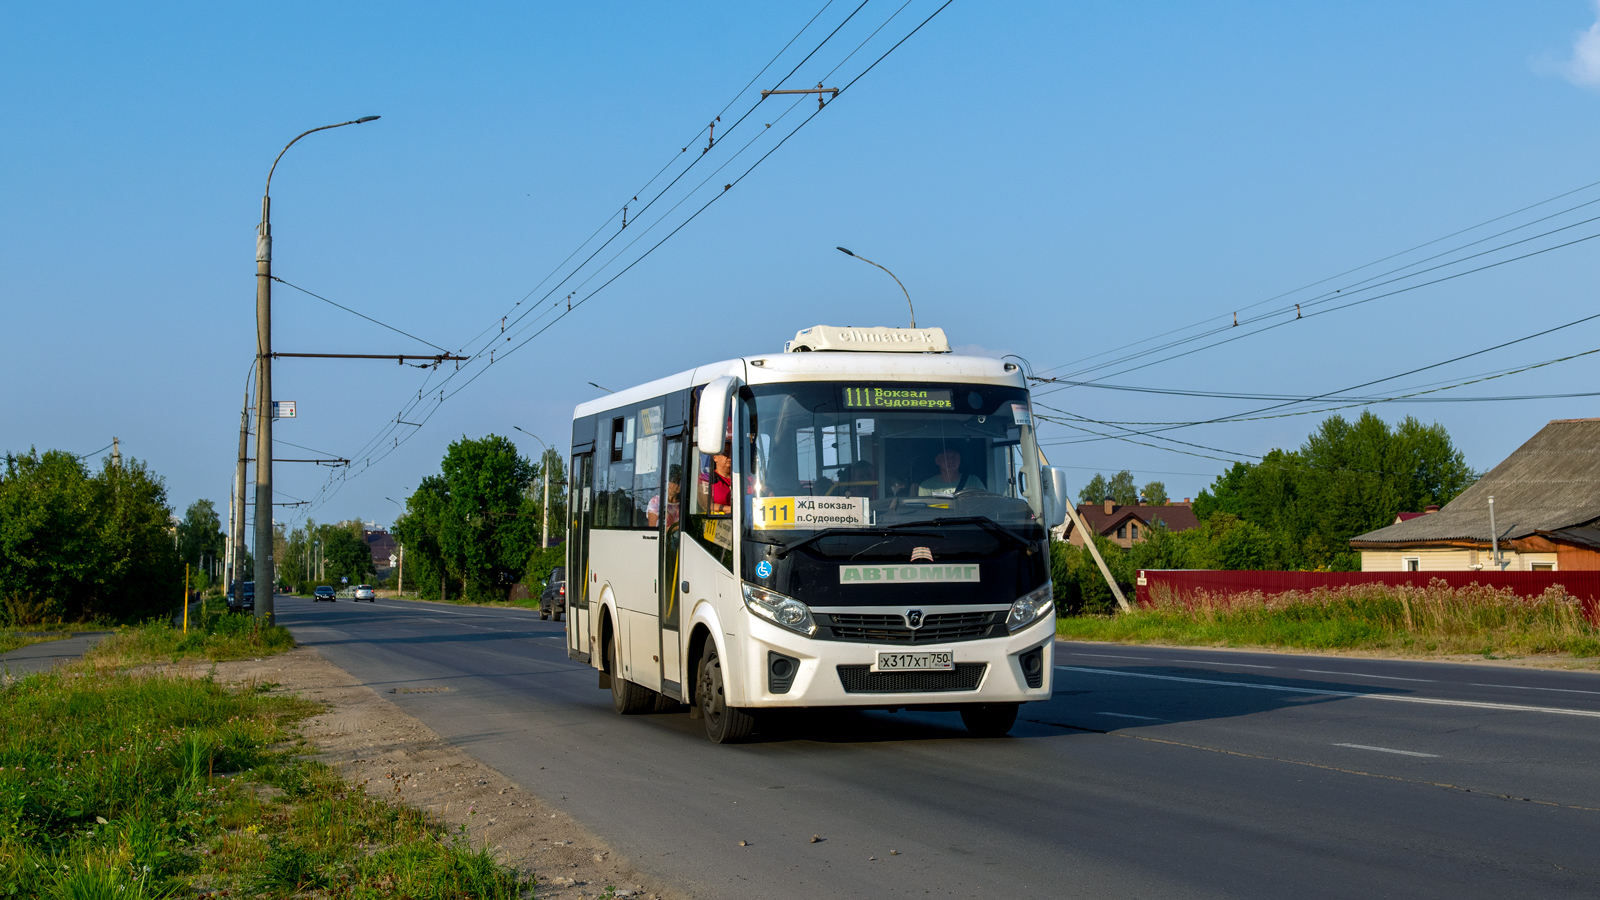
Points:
(344, 579)
(283, 409)
(392, 560)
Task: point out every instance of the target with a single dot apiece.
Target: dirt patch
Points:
(398, 758)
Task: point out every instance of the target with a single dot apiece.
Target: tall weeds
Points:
(1436, 618)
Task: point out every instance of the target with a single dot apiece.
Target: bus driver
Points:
(949, 480)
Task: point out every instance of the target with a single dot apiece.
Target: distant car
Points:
(553, 599)
(322, 592)
(243, 597)
(364, 592)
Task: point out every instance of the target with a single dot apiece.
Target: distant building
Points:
(382, 545)
(1129, 525)
(1546, 512)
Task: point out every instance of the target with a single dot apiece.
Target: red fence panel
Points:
(1185, 583)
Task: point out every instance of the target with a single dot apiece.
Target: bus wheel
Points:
(989, 719)
(627, 698)
(724, 724)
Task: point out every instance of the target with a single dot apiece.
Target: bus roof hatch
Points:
(875, 340)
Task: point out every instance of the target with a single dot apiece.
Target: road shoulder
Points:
(395, 756)
(1552, 662)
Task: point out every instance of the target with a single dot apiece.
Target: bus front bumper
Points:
(839, 673)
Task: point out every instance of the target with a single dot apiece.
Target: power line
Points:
(361, 314)
(1351, 271)
(434, 404)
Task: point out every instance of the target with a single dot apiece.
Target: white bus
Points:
(861, 520)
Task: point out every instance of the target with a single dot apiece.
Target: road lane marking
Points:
(1132, 716)
(1364, 675)
(1431, 701)
(1524, 687)
(1109, 655)
(1200, 662)
(1389, 750)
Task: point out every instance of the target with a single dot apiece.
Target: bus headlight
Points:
(780, 610)
(1030, 608)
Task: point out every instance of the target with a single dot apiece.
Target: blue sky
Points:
(1050, 180)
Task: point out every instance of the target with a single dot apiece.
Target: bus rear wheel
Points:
(989, 719)
(724, 724)
(627, 698)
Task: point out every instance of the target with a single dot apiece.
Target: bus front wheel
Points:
(724, 724)
(989, 719)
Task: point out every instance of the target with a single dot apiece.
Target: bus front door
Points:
(670, 574)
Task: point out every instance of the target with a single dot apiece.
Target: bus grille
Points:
(892, 629)
(862, 680)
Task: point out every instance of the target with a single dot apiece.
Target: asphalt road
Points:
(1153, 773)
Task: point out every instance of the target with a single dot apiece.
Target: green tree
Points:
(75, 546)
(200, 537)
(1096, 491)
(1154, 494)
(1346, 479)
(347, 556)
(474, 527)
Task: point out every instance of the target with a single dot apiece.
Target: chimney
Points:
(1186, 501)
(1111, 507)
(1430, 509)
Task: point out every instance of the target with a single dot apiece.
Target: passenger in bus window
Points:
(950, 478)
(653, 511)
(721, 484)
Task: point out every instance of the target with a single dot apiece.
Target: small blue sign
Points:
(763, 569)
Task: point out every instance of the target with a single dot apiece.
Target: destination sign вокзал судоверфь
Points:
(897, 398)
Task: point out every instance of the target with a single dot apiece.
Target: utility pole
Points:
(264, 562)
(116, 454)
(236, 536)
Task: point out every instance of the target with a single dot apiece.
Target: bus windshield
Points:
(871, 456)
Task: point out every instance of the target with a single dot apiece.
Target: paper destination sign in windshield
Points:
(809, 513)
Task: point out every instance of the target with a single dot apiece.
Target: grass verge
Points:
(10, 641)
(148, 786)
(214, 633)
(1405, 620)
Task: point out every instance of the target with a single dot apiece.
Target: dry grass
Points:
(1436, 619)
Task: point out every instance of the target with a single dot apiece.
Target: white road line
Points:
(1389, 750)
(1132, 716)
(1524, 687)
(1431, 701)
(1364, 675)
(446, 612)
(1113, 656)
(1213, 662)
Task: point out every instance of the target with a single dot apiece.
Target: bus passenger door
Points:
(671, 574)
(579, 515)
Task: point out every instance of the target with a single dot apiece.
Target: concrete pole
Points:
(236, 533)
(544, 524)
(1494, 537)
(264, 573)
(401, 587)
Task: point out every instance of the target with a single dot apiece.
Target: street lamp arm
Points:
(286, 147)
(891, 275)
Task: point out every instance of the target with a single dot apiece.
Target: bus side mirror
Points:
(1056, 496)
(713, 414)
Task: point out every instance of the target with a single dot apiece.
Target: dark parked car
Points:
(322, 592)
(553, 599)
(242, 597)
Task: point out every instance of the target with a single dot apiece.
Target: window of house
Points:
(1412, 563)
(1122, 531)
(1134, 530)
(1542, 567)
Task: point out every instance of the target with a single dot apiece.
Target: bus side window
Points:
(710, 498)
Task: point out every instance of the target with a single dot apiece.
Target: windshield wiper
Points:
(984, 522)
(888, 531)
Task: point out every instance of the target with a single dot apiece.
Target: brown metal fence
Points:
(1183, 584)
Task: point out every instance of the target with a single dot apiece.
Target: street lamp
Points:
(544, 469)
(264, 562)
(891, 275)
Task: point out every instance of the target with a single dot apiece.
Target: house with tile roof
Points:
(1540, 509)
(1129, 525)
